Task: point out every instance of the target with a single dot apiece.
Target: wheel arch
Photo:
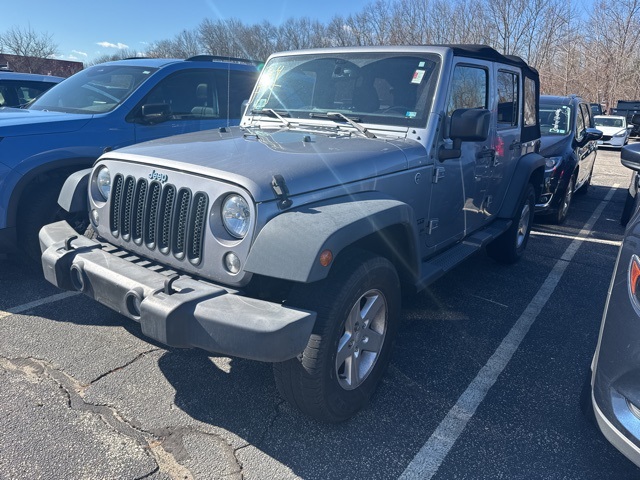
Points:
(57, 170)
(289, 246)
(529, 169)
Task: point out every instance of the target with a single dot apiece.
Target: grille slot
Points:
(151, 215)
(160, 217)
(126, 204)
(138, 210)
(116, 202)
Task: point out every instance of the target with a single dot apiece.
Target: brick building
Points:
(43, 66)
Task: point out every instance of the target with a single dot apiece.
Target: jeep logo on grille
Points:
(160, 177)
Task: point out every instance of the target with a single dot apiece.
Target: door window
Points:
(468, 88)
(508, 107)
(188, 94)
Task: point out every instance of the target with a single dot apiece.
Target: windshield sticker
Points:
(146, 72)
(421, 65)
(418, 75)
(411, 114)
(557, 118)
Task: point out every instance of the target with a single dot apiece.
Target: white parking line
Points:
(570, 237)
(428, 460)
(37, 303)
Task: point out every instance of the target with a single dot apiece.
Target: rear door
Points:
(507, 143)
(585, 154)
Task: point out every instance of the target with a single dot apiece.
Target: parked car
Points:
(615, 376)
(614, 130)
(355, 171)
(569, 145)
(18, 89)
(101, 108)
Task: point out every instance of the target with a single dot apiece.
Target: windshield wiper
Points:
(273, 113)
(353, 122)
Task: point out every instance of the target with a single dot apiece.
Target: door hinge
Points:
(438, 174)
(433, 224)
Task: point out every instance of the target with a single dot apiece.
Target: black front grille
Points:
(606, 138)
(159, 217)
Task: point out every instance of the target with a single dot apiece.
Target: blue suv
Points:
(99, 109)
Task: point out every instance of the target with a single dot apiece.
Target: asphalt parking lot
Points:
(487, 380)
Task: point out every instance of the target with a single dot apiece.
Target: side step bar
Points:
(435, 267)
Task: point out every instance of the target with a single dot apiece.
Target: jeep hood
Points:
(17, 121)
(250, 158)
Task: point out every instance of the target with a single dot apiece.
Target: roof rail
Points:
(135, 58)
(221, 58)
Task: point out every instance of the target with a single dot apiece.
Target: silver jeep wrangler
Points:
(355, 173)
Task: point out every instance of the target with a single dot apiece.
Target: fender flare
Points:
(289, 245)
(530, 167)
(74, 196)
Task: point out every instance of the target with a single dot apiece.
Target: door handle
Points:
(515, 145)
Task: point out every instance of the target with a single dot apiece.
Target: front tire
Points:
(39, 208)
(358, 309)
(563, 208)
(510, 246)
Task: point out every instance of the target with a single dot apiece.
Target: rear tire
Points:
(358, 309)
(510, 246)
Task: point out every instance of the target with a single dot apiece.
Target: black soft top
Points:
(485, 52)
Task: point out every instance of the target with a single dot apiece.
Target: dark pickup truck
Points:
(629, 109)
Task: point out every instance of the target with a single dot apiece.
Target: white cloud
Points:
(113, 45)
(78, 52)
(72, 57)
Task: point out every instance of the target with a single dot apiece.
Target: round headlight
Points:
(103, 182)
(236, 216)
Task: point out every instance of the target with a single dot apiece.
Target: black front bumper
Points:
(181, 313)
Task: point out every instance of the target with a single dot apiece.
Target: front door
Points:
(460, 189)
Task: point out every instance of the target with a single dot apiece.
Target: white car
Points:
(614, 130)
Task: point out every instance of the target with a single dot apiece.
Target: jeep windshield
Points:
(381, 88)
(97, 89)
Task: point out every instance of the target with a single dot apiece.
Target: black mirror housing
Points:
(153, 113)
(466, 125)
(470, 124)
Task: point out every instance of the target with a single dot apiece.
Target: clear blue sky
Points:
(85, 29)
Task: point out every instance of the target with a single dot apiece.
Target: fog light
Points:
(232, 263)
(95, 218)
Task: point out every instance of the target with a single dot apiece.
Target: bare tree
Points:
(119, 55)
(32, 47)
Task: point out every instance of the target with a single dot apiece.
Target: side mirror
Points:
(630, 156)
(466, 125)
(590, 134)
(153, 113)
